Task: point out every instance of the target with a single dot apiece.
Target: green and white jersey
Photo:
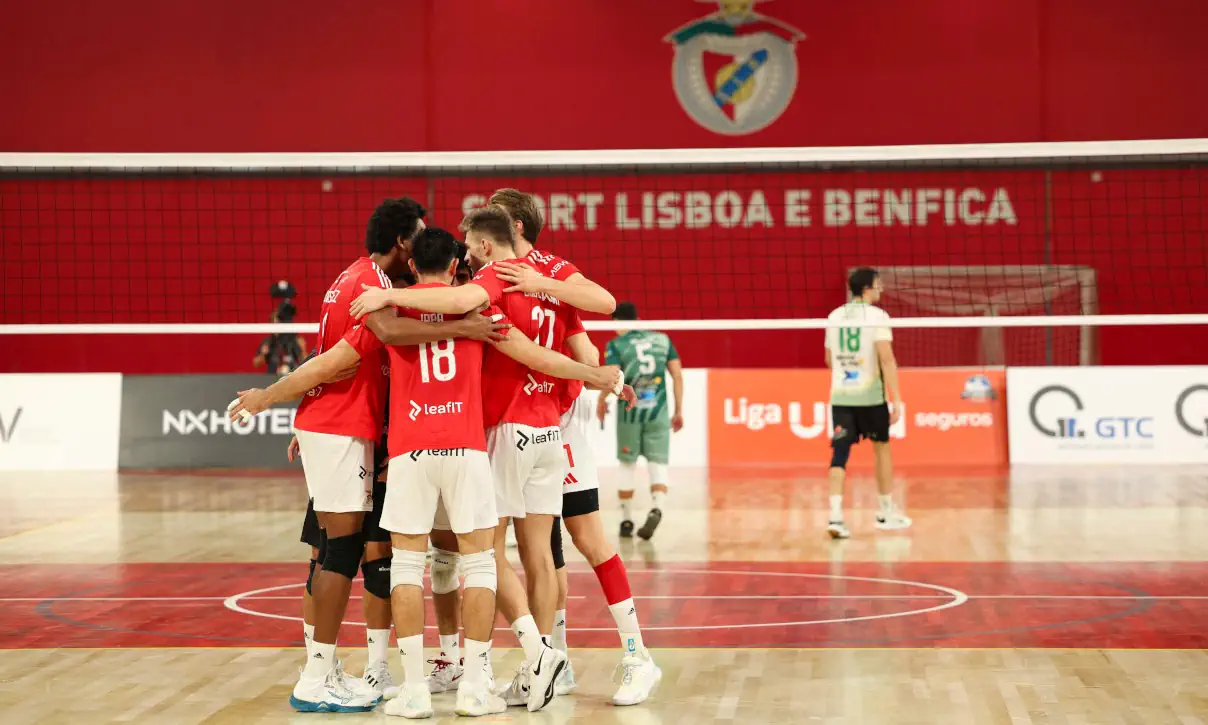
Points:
(643, 357)
(855, 371)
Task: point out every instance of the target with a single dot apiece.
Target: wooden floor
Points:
(1069, 595)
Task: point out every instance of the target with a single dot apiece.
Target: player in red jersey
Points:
(439, 363)
(549, 274)
(336, 426)
(523, 436)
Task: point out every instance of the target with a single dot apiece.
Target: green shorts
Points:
(651, 440)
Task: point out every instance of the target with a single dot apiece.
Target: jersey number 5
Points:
(849, 339)
(442, 365)
(645, 359)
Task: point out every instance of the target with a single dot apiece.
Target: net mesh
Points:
(981, 232)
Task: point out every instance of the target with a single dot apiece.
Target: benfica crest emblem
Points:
(735, 70)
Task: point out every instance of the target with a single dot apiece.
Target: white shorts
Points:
(339, 471)
(529, 465)
(422, 483)
(583, 475)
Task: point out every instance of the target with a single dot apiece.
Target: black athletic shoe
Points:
(626, 529)
(652, 522)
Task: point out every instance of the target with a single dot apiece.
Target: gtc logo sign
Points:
(1109, 427)
(735, 70)
(1193, 425)
(1065, 427)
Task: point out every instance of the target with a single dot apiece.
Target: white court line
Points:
(955, 598)
(898, 597)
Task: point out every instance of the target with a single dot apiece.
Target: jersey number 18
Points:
(849, 339)
(442, 366)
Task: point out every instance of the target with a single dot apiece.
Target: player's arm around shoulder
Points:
(315, 371)
(535, 357)
(394, 329)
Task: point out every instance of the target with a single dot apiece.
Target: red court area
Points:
(1133, 605)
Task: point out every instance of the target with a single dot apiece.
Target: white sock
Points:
(478, 661)
(308, 635)
(625, 614)
(886, 504)
(525, 629)
(322, 658)
(560, 630)
(450, 649)
(627, 509)
(657, 499)
(378, 642)
(836, 507)
(411, 651)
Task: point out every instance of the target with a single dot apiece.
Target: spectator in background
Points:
(281, 354)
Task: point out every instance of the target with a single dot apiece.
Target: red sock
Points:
(614, 580)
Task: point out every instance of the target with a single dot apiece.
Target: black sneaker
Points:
(652, 522)
(626, 529)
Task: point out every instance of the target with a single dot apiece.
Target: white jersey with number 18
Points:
(855, 371)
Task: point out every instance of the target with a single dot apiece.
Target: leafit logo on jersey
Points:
(735, 70)
(1055, 412)
(532, 386)
(523, 439)
(453, 407)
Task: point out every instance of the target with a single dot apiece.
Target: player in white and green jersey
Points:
(862, 367)
(647, 358)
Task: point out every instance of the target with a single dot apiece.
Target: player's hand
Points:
(605, 378)
(895, 413)
(253, 401)
(522, 277)
(371, 300)
(347, 373)
(677, 423)
(292, 451)
(630, 396)
(477, 326)
(602, 409)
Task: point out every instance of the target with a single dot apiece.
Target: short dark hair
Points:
(433, 250)
(523, 208)
(625, 311)
(391, 220)
(861, 279)
(493, 222)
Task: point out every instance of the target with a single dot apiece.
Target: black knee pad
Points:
(840, 451)
(310, 577)
(376, 574)
(555, 544)
(343, 554)
(322, 547)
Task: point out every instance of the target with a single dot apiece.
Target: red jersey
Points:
(551, 265)
(351, 407)
(513, 393)
(435, 392)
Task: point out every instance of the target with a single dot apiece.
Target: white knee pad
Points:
(407, 568)
(626, 475)
(479, 570)
(658, 474)
(444, 571)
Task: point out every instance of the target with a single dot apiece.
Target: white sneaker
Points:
(445, 676)
(565, 684)
(639, 677)
(476, 700)
(379, 678)
(413, 702)
(893, 521)
(357, 685)
(838, 530)
(542, 675)
(330, 694)
(516, 694)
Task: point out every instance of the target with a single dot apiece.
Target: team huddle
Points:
(473, 384)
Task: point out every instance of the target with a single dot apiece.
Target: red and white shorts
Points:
(339, 471)
(450, 489)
